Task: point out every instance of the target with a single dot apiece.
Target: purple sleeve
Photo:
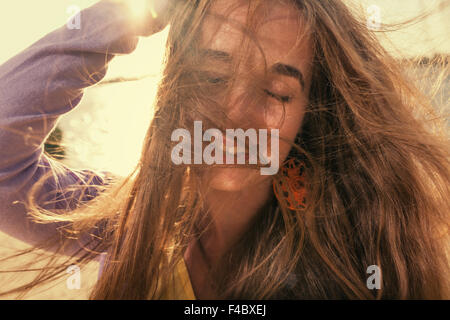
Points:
(36, 87)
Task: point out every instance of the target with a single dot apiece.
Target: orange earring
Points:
(293, 189)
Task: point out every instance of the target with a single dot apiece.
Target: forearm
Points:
(47, 79)
(36, 87)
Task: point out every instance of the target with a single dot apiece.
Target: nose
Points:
(241, 106)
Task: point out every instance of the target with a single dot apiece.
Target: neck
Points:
(232, 214)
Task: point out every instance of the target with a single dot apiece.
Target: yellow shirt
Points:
(180, 287)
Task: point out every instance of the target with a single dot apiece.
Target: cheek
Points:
(287, 117)
(290, 128)
(273, 116)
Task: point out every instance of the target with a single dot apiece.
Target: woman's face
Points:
(280, 78)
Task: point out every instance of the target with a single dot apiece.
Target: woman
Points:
(363, 181)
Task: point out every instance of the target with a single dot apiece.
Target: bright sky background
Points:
(24, 21)
(105, 131)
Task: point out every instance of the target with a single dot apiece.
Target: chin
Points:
(232, 179)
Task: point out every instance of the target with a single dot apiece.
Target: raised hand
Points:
(151, 16)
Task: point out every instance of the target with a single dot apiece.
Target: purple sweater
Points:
(36, 87)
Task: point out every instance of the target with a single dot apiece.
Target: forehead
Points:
(277, 30)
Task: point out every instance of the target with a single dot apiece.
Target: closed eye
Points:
(216, 80)
(220, 81)
(283, 99)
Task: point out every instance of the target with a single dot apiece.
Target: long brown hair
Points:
(378, 171)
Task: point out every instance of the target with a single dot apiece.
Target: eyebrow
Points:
(290, 71)
(279, 68)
